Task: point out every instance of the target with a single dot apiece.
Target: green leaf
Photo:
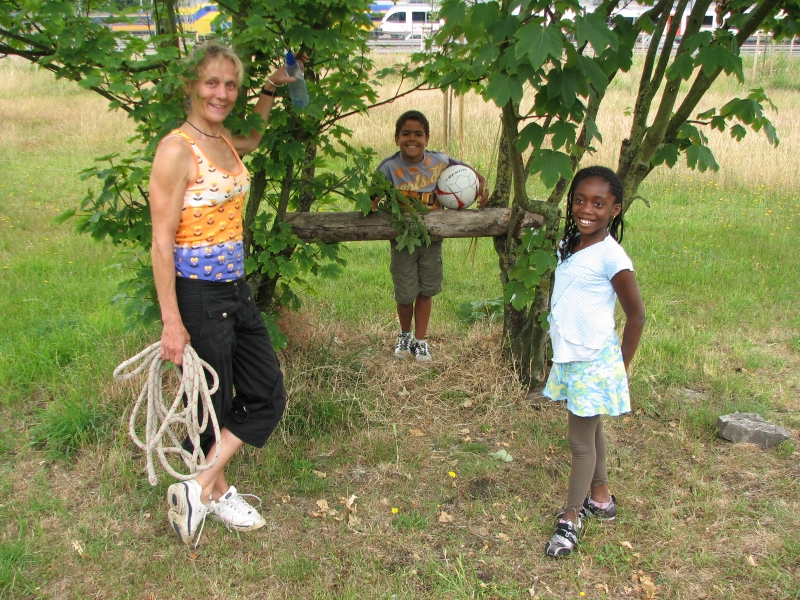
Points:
(481, 17)
(564, 85)
(771, 133)
(279, 339)
(543, 260)
(738, 132)
(539, 43)
(692, 43)
(688, 131)
(532, 135)
(504, 29)
(701, 158)
(718, 122)
(707, 114)
(563, 134)
(594, 73)
(552, 165)
(682, 66)
(64, 216)
(592, 132)
(503, 88)
(746, 109)
(518, 295)
(668, 153)
(591, 28)
(713, 57)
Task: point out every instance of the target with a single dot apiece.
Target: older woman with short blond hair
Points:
(198, 188)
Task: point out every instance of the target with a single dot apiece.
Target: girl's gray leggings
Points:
(588, 444)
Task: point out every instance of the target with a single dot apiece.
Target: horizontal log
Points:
(354, 226)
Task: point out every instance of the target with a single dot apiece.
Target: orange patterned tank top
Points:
(208, 243)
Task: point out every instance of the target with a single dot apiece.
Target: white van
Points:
(406, 20)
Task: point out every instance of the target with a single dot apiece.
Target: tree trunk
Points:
(354, 226)
(518, 336)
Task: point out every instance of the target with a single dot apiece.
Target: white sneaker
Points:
(188, 513)
(421, 351)
(405, 340)
(233, 510)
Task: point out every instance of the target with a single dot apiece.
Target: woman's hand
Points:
(174, 339)
(280, 77)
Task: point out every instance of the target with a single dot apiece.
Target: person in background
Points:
(417, 276)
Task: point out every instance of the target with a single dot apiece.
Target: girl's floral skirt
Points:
(596, 387)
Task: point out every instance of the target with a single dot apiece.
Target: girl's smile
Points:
(593, 209)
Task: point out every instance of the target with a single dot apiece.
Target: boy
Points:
(417, 277)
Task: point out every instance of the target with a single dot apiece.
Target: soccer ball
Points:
(457, 187)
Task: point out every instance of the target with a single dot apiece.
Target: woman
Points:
(197, 191)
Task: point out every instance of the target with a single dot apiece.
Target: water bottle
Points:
(297, 89)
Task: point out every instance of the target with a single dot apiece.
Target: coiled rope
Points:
(160, 419)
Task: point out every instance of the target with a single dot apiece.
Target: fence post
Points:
(772, 59)
(446, 119)
(755, 56)
(461, 127)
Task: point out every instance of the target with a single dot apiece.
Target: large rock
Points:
(751, 428)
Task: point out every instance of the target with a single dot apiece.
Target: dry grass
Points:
(694, 510)
(482, 125)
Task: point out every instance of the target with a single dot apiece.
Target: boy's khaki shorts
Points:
(417, 273)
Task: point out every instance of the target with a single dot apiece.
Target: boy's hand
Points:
(375, 200)
(483, 190)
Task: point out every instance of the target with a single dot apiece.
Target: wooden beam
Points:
(354, 226)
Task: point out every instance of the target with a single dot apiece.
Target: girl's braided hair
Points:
(617, 226)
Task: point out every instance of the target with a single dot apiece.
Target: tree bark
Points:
(354, 226)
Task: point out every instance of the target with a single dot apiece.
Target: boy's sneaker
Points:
(420, 351)
(405, 340)
(233, 510)
(564, 539)
(188, 513)
(591, 508)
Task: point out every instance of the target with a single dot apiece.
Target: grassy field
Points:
(435, 516)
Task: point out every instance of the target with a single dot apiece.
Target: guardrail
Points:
(417, 43)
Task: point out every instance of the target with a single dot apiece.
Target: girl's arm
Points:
(172, 170)
(624, 284)
(263, 107)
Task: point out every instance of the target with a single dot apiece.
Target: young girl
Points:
(589, 363)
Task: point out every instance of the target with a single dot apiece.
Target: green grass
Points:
(67, 425)
(715, 256)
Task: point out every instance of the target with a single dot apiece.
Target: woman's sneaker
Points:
(564, 539)
(233, 510)
(187, 514)
(421, 351)
(591, 508)
(405, 340)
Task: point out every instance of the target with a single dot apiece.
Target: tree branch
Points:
(703, 82)
(655, 133)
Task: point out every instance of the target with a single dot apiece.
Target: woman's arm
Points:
(173, 169)
(630, 299)
(263, 107)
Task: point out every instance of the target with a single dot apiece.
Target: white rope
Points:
(160, 419)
